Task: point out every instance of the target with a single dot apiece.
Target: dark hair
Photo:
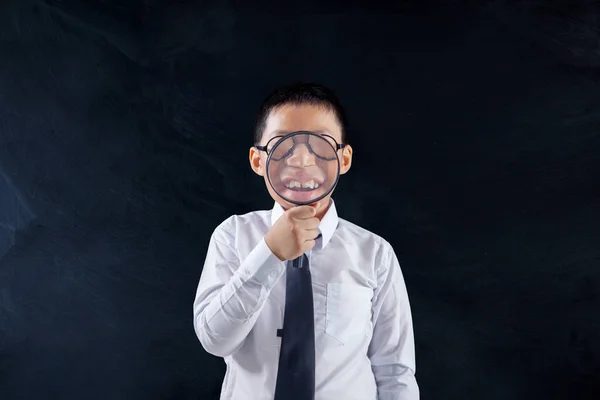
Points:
(297, 94)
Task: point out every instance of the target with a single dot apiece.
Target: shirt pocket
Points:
(348, 311)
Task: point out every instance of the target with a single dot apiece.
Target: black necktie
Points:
(296, 373)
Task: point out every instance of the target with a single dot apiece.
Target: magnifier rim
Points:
(337, 175)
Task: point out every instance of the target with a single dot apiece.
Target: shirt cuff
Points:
(262, 266)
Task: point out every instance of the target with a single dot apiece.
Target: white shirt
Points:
(363, 325)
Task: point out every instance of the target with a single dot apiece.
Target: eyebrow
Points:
(284, 132)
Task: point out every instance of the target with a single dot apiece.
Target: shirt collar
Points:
(327, 226)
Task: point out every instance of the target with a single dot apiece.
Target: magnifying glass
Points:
(302, 168)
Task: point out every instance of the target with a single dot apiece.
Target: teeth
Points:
(310, 184)
(306, 185)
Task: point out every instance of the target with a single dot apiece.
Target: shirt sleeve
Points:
(392, 348)
(232, 292)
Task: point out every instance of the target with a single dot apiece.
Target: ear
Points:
(346, 159)
(256, 162)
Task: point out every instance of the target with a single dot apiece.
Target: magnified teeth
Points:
(305, 185)
(310, 184)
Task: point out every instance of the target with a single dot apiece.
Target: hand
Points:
(294, 233)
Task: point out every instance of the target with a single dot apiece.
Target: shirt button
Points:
(273, 274)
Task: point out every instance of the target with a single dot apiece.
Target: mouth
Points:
(302, 186)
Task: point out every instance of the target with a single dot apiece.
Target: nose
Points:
(301, 157)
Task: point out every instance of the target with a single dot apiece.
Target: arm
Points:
(231, 292)
(392, 349)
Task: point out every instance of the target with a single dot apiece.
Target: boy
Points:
(363, 333)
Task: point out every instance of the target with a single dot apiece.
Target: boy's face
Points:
(291, 118)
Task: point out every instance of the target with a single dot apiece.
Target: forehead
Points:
(290, 118)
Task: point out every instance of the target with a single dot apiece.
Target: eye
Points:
(272, 142)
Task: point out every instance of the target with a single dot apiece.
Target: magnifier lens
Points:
(303, 167)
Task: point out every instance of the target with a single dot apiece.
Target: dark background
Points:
(124, 136)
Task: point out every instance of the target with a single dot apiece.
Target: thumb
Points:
(301, 212)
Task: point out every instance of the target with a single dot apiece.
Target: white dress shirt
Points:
(363, 325)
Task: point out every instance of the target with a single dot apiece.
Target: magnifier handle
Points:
(297, 263)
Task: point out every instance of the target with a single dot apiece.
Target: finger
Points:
(311, 223)
(309, 244)
(302, 212)
(309, 234)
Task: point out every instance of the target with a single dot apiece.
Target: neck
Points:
(321, 213)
